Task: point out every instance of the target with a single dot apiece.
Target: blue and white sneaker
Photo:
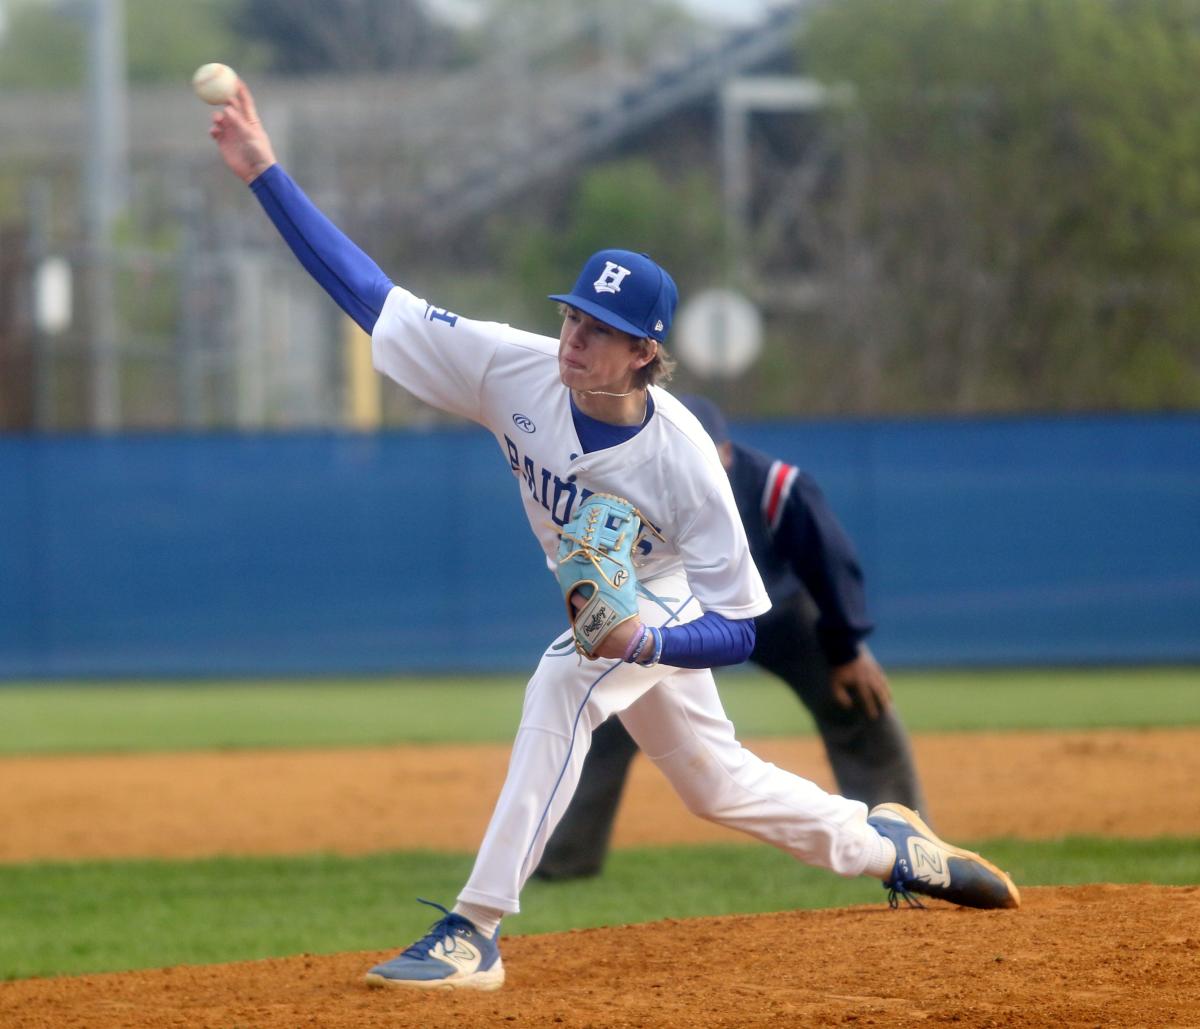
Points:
(453, 955)
(928, 865)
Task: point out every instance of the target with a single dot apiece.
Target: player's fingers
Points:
(233, 113)
(239, 97)
(232, 106)
(245, 101)
(234, 125)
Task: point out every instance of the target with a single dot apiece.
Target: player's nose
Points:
(577, 336)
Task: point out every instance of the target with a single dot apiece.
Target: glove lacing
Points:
(593, 551)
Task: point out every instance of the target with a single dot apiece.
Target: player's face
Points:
(592, 355)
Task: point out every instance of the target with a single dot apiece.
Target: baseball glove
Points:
(595, 561)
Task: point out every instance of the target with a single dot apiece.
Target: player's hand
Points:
(617, 641)
(241, 138)
(862, 681)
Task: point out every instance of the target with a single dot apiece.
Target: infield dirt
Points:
(1096, 955)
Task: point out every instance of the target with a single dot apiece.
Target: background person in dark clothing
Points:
(812, 638)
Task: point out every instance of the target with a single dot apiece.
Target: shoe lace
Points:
(448, 925)
(897, 890)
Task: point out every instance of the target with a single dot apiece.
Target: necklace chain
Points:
(606, 393)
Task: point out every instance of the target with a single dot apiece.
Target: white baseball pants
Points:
(676, 717)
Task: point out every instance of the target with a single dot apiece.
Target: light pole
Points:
(106, 187)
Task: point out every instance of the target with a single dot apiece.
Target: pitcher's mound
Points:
(1087, 955)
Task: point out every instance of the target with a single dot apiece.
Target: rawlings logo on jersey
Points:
(611, 278)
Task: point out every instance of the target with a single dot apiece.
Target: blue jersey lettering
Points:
(440, 314)
(531, 478)
(562, 499)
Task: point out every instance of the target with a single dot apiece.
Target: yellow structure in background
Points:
(363, 405)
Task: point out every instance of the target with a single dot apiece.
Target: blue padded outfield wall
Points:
(994, 541)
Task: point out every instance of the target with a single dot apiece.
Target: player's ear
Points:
(644, 351)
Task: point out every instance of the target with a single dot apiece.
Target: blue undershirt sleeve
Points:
(711, 641)
(356, 283)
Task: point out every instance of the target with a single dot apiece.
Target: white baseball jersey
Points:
(507, 380)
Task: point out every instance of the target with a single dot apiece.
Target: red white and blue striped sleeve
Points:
(780, 479)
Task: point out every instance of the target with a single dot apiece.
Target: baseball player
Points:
(573, 417)
(812, 638)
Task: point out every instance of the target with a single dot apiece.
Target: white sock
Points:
(882, 858)
(486, 920)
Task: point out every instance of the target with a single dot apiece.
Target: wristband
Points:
(645, 639)
(656, 639)
(635, 644)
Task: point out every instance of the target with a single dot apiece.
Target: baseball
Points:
(215, 83)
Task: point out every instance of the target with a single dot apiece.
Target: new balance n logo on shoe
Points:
(928, 862)
(456, 951)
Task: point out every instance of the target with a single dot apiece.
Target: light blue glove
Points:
(595, 561)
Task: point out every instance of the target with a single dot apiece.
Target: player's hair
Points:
(657, 371)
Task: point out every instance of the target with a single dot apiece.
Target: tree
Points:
(628, 203)
(1024, 231)
(40, 49)
(306, 36)
(166, 42)
(45, 46)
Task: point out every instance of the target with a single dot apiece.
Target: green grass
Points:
(75, 718)
(63, 919)
(70, 918)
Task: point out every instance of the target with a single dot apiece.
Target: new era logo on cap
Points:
(626, 290)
